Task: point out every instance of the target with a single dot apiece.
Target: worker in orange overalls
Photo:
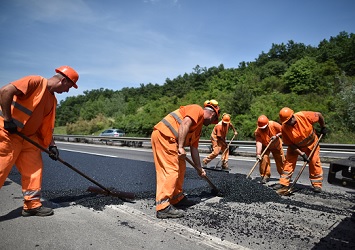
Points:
(300, 137)
(179, 129)
(268, 132)
(218, 139)
(28, 106)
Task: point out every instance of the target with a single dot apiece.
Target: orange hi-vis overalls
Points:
(218, 139)
(264, 137)
(34, 114)
(303, 137)
(169, 168)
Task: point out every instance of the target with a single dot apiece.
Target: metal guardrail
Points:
(138, 142)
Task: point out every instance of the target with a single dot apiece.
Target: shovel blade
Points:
(285, 191)
(112, 192)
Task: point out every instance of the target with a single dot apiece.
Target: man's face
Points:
(291, 121)
(63, 86)
(209, 117)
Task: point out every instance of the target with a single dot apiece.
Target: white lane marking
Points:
(248, 159)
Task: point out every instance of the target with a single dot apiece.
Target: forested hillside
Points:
(296, 75)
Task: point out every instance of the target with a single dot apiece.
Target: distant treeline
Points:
(295, 75)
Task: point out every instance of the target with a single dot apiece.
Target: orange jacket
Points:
(264, 135)
(23, 108)
(169, 125)
(220, 131)
(302, 133)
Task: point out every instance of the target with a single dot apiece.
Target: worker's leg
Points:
(316, 170)
(279, 158)
(225, 156)
(289, 167)
(8, 154)
(166, 166)
(216, 148)
(264, 166)
(30, 165)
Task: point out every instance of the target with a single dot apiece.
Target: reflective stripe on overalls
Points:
(25, 111)
(172, 129)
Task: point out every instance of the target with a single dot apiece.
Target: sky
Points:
(114, 44)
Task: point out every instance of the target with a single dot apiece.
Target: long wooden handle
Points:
(205, 177)
(227, 148)
(305, 164)
(261, 156)
(108, 191)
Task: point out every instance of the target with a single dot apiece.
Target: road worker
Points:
(218, 139)
(268, 132)
(179, 129)
(300, 137)
(28, 106)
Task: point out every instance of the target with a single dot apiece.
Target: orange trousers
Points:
(315, 167)
(217, 147)
(28, 160)
(279, 157)
(169, 169)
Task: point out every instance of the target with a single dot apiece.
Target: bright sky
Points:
(115, 43)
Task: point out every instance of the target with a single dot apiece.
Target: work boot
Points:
(170, 212)
(225, 166)
(184, 203)
(279, 186)
(317, 189)
(264, 179)
(38, 211)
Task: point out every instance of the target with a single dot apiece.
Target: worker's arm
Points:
(235, 131)
(7, 93)
(183, 131)
(321, 121)
(259, 147)
(195, 155)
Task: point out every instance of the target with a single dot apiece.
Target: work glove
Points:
(258, 157)
(305, 157)
(10, 126)
(323, 130)
(53, 152)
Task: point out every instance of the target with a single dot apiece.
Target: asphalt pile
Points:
(248, 213)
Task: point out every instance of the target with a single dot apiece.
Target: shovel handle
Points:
(205, 177)
(227, 148)
(261, 156)
(304, 164)
(65, 163)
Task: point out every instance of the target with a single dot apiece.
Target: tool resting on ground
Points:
(225, 150)
(258, 160)
(290, 189)
(102, 190)
(214, 188)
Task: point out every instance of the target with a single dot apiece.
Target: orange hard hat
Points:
(214, 105)
(226, 118)
(285, 114)
(69, 73)
(263, 121)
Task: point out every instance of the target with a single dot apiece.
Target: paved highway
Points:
(248, 216)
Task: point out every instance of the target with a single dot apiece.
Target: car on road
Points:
(113, 132)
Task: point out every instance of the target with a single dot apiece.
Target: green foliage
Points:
(85, 127)
(293, 74)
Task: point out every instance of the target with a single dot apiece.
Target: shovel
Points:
(101, 190)
(284, 191)
(227, 148)
(258, 160)
(215, 190)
